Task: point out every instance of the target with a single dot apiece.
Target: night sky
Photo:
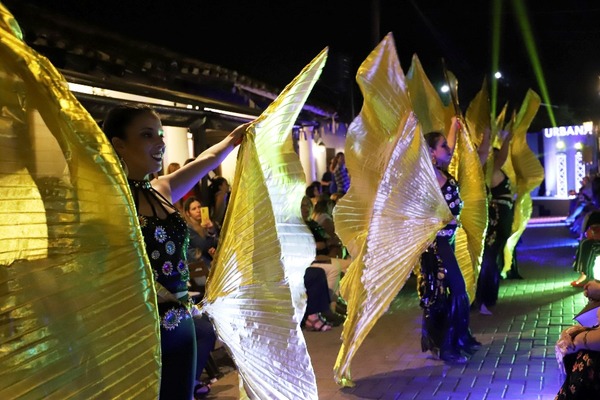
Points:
(272, 41)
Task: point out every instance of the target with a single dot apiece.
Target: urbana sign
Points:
(584, 129)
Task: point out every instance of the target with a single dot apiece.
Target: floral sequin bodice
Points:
(166, 245)
(502, 189)
(452, 196)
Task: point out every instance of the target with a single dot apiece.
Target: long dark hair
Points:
(431, 138)
(188, 203)
(214, 185)
(119, 117)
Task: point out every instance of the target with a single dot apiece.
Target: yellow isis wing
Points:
(497, 124)
(453, 108)
(466, 167)
(394, 198)
(76, 295)
(508, 167)
(425, 100)
(528, 171)
(255, 292)
(477, 116)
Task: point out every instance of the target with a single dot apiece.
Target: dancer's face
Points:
(143, 147)
(441, 153)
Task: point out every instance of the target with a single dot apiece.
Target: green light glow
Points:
(521, 13)
(496, 14)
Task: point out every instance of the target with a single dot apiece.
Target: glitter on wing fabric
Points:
(527, 171)
(255, 292)
(76, 294)
(394, 196)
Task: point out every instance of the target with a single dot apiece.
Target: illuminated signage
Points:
(577, 130)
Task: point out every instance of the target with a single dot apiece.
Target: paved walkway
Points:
(517, 358)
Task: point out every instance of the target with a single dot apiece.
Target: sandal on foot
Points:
(483, 310)
(201, 390)
(316, 325)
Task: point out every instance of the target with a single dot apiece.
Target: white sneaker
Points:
(483, 310)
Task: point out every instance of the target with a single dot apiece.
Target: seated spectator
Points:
(312, 192)
(202, 246)
(578, 356)
(587, 248)
(333, 268)
(202, 243)
(582, 202)
(323, 215)
(318, 186)
(318, 315)
(317, 300)
(586, 231)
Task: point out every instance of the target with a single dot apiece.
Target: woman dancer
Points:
(444, 299)
(136, 134)
(500, 219)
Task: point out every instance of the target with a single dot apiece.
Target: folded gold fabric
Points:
(78, 316)
(394, 206)
(255, 291)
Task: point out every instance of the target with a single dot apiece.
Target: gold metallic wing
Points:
(453, 108)
(77, 303)
(528, 171)
(508, 167)
(426, 102)
(286, 181)
(477, 116)
(255, 291)
(497, 124)
(394, 206)
(500, 123)
(466, 167)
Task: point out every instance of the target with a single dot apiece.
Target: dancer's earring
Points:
(124, 166)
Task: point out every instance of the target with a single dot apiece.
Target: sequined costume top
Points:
(431, 284)
(166, 241)
(452, 196)
(500, 212)
(502, 189)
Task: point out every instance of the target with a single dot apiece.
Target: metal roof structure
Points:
(183, 90)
